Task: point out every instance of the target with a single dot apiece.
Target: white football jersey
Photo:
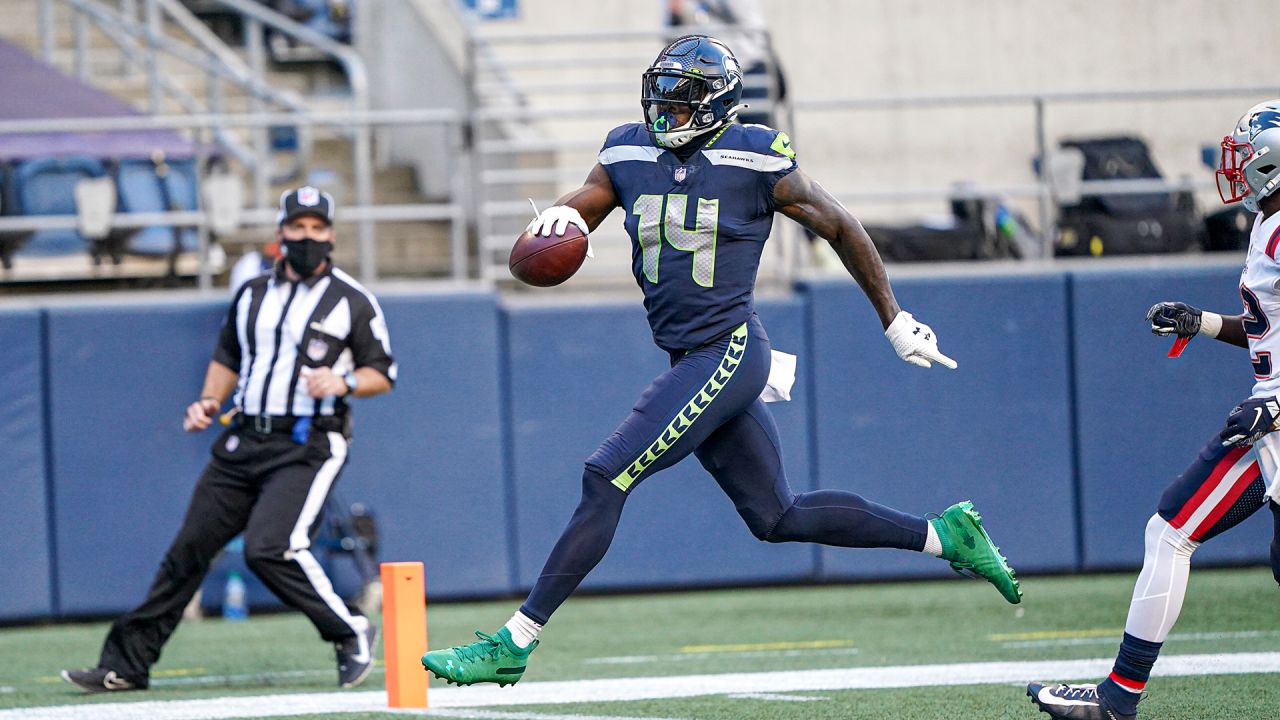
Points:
(1261, 296)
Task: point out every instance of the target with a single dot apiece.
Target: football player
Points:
(1236, 472)
(699, 192)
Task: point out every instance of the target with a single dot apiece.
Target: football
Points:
(546, 260)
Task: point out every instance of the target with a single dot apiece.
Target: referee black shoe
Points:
(355, 657)
(97, 680)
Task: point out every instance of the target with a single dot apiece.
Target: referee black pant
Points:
(272, 489)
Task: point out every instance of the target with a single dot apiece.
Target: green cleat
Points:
(496, 659)
(970, 551)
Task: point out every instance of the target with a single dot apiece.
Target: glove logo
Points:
(233, 442)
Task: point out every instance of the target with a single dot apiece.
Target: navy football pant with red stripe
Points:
(1221, 488)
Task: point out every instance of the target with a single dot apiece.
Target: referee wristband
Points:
(1210, 324)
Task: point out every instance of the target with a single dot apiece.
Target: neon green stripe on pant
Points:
(684, 419)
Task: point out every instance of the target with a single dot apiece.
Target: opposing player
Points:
(699, 192)
(1237, 471)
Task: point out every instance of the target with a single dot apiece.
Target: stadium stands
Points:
(43, 169)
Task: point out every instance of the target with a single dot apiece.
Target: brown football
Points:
(546, 260)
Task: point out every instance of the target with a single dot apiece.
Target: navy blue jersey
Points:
(697, 226)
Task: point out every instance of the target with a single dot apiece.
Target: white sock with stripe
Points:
(523, 629)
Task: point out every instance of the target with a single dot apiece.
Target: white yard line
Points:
(1115, 640)
(241, 678)
(686, 656)
(775, 697)
(491, 715)
(648, 688)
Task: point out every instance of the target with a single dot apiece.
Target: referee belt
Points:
(284, 424)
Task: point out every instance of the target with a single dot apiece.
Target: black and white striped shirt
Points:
(276, 327)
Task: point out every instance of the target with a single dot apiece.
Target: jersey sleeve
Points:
(628, 141)
(227, 351)
(370, 341)
(778, 158)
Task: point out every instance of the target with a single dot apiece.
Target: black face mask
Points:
(307, 254)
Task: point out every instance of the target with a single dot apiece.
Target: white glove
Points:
(558, 217)
(916, 342)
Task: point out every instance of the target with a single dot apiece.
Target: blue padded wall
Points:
(1143, 417)
(121, 377)
(428, 457)
(497, 408)
(24, 543)
(996, 431)
(574, 373)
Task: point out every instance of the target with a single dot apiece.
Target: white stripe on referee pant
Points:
(300, 539)
(1232, 476)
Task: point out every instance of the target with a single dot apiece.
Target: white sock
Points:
(523, 629)
(1162, 585)
(932, 545)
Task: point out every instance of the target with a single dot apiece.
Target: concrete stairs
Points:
(408, 249)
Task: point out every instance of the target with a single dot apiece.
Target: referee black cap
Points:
(305, 200)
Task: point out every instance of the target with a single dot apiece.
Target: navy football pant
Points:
(709, 404)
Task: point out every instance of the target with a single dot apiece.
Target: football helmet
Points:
(1249, 166)
(695, 71)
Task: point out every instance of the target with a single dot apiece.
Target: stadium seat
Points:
(144, 188)
(46, 186)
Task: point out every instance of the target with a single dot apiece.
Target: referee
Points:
(298, 343)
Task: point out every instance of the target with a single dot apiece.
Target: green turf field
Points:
(732, 631)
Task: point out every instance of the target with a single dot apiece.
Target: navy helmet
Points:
(696, 71)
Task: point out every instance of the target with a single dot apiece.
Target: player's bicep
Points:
(595, 199)
(802, 199)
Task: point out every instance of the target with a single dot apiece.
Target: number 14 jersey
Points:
(697, 226)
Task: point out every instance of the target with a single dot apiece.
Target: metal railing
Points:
(361, 213)
(1043, 190)
(797, 112)
(257, 17)
(491, 197)
(142, 40)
